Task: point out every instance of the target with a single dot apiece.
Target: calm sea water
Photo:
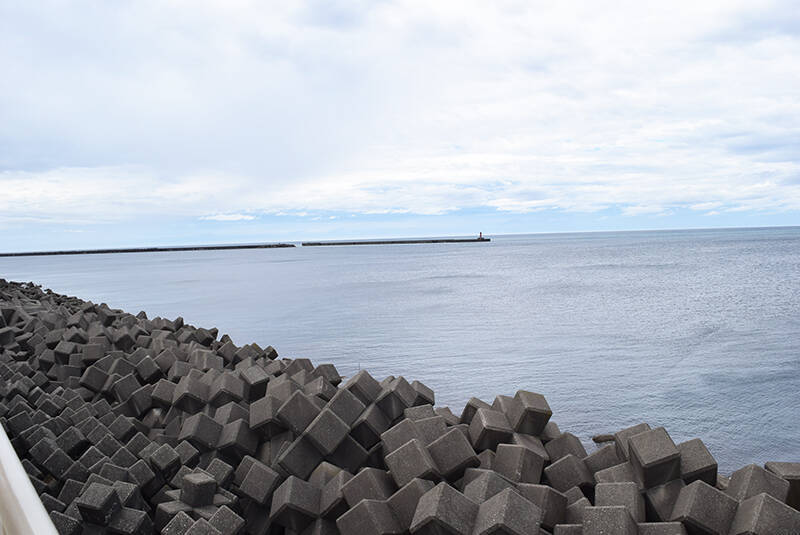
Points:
(698, 331)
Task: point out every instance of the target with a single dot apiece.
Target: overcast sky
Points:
(139, 123)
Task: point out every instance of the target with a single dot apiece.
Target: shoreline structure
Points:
(133, 426)
(243, 246)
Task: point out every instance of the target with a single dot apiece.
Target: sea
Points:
(694, 330)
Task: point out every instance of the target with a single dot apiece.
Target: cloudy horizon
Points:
(173, 123)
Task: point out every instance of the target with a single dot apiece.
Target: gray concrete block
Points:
(419, 412)
(350, 455)
(396, 398)
(369, 426)
(509, 513)
(604, 457)
(347, 406)
(259, 482)
(575, 511)
(424, 394)
(621, 438)
(369, 483)
(295, 504)
(444, 510)
(230, 412)
(399, 434)
(506, 405)
(531, 414)
(565, 444)
(221, 471)
(226, 388)
(432, 428)
(329, 373)
(410, 461)
(471, 408)
(654, 457)
(403, 503)
(263, 417)
(202, 527)
(486, 459)
(178, 524)
(369, 517)
(764, 515)
(65, 525)
(364, 387)
(532, 443)
(198, 489)
(518, 463)
(791, 473)
(452, 453)
(752, 480)
(190, 394)
(73, 442)
(568, 529)
(323, 473)
(300, 458)
(165, 460)
(226, 521)
(448, 415)
(237, 440)
(567, 472)
(697, 462)
(606, 520)
(189, 455)
(255, 380)
(98, 503)
(660, 500)
(574, 494)
(553, 504)
(297, 412)
(332, 500)
(624, 494)
(321, 388)
(243, 467)
(282, 388)
(321, 526)
(201, 431)
(327, 431)
(94, 378)
(483, 484)
(489, 428)
(618, 474)
(703, 509)
(662, 528)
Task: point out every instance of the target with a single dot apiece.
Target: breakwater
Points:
(136, 425)
(153, 249)
(394, 242)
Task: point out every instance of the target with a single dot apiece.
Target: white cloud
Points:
(235, 109)
(228, 217)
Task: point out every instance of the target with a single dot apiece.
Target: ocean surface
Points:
(697, 331)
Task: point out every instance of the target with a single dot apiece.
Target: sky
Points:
(188, 122)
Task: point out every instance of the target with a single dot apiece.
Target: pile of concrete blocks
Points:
(133, 426)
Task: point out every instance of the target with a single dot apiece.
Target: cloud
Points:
(230, 110)
(228, 217)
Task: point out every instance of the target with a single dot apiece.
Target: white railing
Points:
(21, 510)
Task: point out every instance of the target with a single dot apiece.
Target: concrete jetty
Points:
(394, 242)
(153, 249)
(129, 425)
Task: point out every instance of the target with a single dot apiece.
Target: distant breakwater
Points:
(238, 247)
(153, 249)
(394, 242)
